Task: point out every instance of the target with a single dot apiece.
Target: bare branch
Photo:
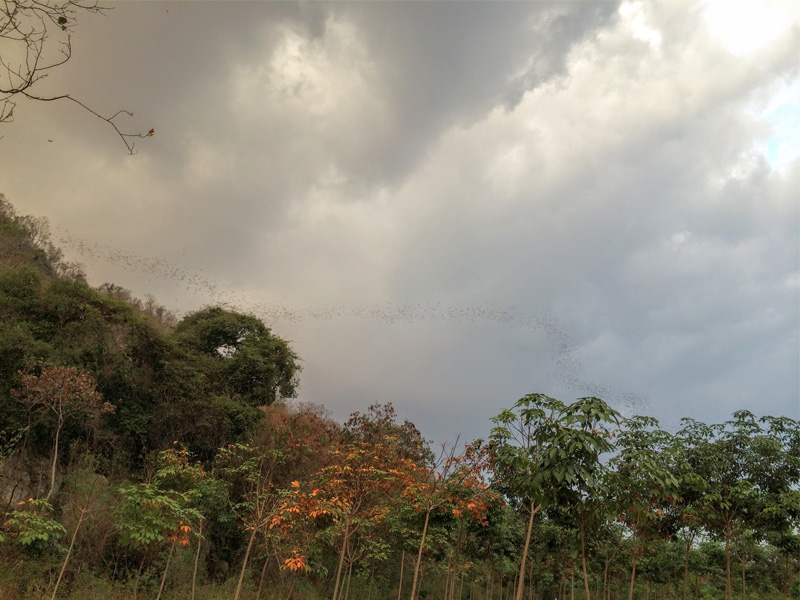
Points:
(27, 54)
(109, 120)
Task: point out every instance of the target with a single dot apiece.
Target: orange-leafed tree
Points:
(259, 473)
(60, 394)
(360, 486)
(292, 531)
(468, 503)
(376, 459)
(453, 481)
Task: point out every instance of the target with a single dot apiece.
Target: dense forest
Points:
(146, 456)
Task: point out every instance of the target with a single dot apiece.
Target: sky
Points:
(448, 205)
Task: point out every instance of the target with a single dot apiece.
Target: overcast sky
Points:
(449, 205)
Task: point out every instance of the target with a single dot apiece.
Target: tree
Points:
(646, 477)
(546, 452)
(205, 495)
(258, 475)
(239, 356)
(62, 393)
(520, 440)
(256, 499)
(453, 481)
(751, 474)
(31, 525)
(85, 498)
(36, 37)
(151, 514)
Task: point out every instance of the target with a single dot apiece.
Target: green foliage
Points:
(32, 526)
(239, 356)
(168, 507)
(545, 451)
(149, 514)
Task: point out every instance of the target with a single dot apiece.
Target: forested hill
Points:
(142, 456)
(199, 380)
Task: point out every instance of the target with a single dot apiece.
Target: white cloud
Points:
(747, 26)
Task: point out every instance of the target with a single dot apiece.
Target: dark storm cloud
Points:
(431, 65)
(447, 64)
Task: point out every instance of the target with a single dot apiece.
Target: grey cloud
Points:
(448, 64)
(444, 205)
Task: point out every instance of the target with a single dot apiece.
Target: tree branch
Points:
(28, 24)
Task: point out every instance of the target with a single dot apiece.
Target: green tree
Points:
(32, 526)
(155, 512)
(750, 473)
(546, 452)
(646, 478)
(205, 494)
(239, 356)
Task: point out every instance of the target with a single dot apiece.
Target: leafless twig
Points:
(28, 53)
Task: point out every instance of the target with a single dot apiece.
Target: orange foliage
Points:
(294, 563)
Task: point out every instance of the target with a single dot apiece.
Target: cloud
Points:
(448, 205)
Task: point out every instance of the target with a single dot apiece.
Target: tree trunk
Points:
(347, 583)
(744, 584)
(402, 565)
(166, 569)
(291, 591)
(341, 558)
(369, 585)
(419, 555)
(69, 552)
(521, 584)
(530, 582)
(572, 586)
(55, 460)
(728, 579)
(261, 578)
(197, 557)
(448, 576)
(786, 578)
(583, 556)
(139, 573)
(633, 566)
(244, 565)
(686, 566)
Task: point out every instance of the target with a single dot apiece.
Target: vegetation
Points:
(142, 456)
